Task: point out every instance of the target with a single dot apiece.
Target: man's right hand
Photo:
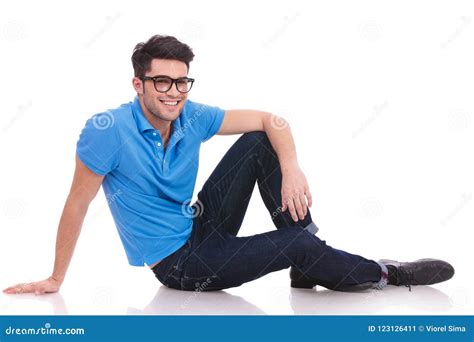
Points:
(49, 285)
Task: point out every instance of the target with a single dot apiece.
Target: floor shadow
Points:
(174, 302)
(320, 301)
(56, 301)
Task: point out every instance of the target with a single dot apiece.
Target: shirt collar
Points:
(142, 122)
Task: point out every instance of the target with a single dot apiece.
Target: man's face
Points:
(163, 105)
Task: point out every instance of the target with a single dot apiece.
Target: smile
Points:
(170, 103)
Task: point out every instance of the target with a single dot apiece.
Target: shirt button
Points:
(154, 133)
(159, 144)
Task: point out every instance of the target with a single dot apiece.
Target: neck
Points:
(163, 126)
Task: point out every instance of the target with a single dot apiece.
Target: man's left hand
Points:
(295, 193)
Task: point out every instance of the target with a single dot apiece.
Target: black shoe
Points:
(418, 272)
(300, 281)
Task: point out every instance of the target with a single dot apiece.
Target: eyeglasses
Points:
(164, 83)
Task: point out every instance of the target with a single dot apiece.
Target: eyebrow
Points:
(168, 76)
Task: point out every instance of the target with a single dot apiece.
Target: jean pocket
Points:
(169, 270)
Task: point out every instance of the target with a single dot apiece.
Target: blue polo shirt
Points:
(148, 188)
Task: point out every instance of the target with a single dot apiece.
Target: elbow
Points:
(78, 203)
(275, 122)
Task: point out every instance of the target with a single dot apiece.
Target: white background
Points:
(379, 98)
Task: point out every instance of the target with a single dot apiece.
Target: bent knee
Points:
(255, 137)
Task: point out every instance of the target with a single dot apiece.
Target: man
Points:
(145, 155)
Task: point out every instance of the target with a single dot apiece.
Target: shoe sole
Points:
(306, 284)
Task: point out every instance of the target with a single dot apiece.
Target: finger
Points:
(13, 289)
(304, 205)
(24, 288)
(299, 207)
(14, 286)
(291, 208)
(309, 197)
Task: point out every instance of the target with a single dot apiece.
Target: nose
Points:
(173, 92)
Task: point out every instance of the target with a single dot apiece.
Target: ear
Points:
(137, 85)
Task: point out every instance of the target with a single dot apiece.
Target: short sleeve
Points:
(98, 146)
(210, 120)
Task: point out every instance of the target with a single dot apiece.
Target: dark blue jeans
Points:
(215, 258)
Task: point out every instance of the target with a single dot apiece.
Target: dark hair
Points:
(163, 47)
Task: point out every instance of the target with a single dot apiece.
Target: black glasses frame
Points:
(173, 81)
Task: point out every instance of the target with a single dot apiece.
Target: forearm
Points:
(279, 133)
(68, 232)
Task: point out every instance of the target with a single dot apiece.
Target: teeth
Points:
(170, 103)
